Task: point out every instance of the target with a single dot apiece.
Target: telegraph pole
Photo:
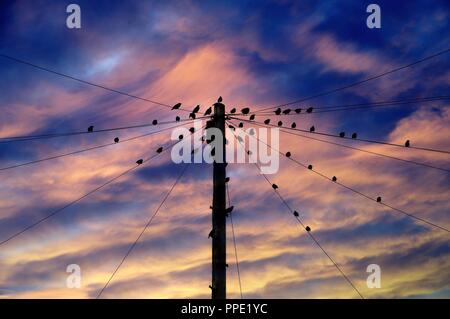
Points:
(219, 274)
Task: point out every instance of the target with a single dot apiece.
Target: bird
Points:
(251, 132)
(298, 111)
(192, 130)
(310, 166)
(177, 119)
(296, 213)
(210, 287)
(278, 111)
(249, 152)
(407, 143)
(229, 210)
(280, 123)
(354, 135)
(240, 139)
(219, 99)
(176, 106)
(139, 161)
(334, 179)
(308, 228)
(211, 235)
(252, 117)
(245, 110)
(116, 140)
(241, 125)
(159, 150)
(287, 111)
(180, 137)
(196, 109)
(233, 110)
(208, 111)
(274, 186)
(267, 121)
(288, 154)
(293, 125)
(91, 129)
(154, 122)
(342, 134)
(231, 127)
(378, 199)
(227, 179)
(192, 115)
(309, 110)
(312, 129)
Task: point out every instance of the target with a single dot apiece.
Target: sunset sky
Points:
(255, 54)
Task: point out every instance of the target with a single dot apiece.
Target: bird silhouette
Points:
(298, 111)
(139, 161)
(176, 106)
(267, 121)
(287, 111)
(293, 125)
(180, 137)
(240, 139)
(229, 210)
(196, 109)
(245, 110)
(211, 235)
(342, 134)
(231, 127)
(241, 125)
(378, 199)
(91, 129)
(116, 140)
(192, 116)
(233, 110)
(159, 150)
(192, 130)
(407, 143)
(274, 186)
(308, 228)
(296, 213)
(278, 111)
(249, 152)
(310, 166)
(227, 179)
(252, 117)
(354, 135)
(312, 129)
(309, 110)
(208, 111)
(154, 122)
(334, 179)
(280, 123)
(251, 132)
(219, 99)
(177, 119)
(288, 154)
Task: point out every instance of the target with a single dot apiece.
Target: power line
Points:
(234, 242)
(359, 82)
(130, 249)
(86, 82)
(45, 136)
(87, 149)
(308, 231)
(361, 150)
(377, 200)
(351, 138)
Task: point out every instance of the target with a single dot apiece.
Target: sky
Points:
(257, 54)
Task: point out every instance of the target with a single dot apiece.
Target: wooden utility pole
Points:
(219, 274)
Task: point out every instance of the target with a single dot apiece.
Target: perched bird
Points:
(208, 111)
(180, 137)
(231, 127)
(139, 161)
(287, 111)
(334, 179)
(354, 135)
(249, 152)
(245, 110)
(288, 154)
(278, 111)
(192, 130)
(267, 121)
(227, 179)
(298, 111)
(196, 109)
(252, 117)
(240, 139)
(159, 150)
(177, 119)
(192, 116)
(296, 213)
(378, 199)
(116, 140)
(274, 186)
(342, 134)
(229, 210)
(241, 125)
(310, 166)
(308, 228)
(154, 122)
(211, 235)
(219, 99)
(280, 123)
(312, 129)
(176, 106)
(90, 129)
(407, 143)
(293, 125)
(251, 132)
(309, 110)
(233, 110)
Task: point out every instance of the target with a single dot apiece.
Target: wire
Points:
(361, 150)
(86, 82)
(44, 136)
(130, 249)
(359, 82)
(351, 139)
(87, 149)
(308, 231)
(234, 243)
(356, 191)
